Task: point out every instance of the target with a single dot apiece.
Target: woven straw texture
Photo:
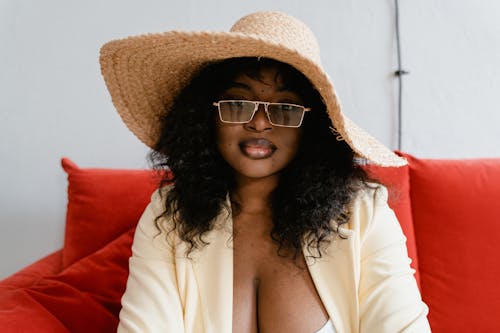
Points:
(145, 73)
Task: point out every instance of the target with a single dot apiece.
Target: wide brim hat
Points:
(145, 73)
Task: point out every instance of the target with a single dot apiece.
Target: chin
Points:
(256, 176)
(256, 168)
(257, 172)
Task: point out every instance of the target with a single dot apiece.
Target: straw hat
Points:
(145, 73)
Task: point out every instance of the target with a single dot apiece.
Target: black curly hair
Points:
(314, 189)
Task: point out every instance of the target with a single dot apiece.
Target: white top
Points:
(328, 328)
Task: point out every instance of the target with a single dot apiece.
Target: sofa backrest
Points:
(456, 215)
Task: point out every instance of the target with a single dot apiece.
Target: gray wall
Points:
(53, 101)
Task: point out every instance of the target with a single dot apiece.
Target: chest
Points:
(267, 287)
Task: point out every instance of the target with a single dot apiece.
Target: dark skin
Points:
(271, 293)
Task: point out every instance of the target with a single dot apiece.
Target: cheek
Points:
(224, 139)
(219, 133)
(292, 141)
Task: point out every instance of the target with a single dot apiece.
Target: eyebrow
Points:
(234, 84)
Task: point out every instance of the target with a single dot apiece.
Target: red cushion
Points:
(457, 228)
(85, 297)
(19, 312)
(397, 181)
(102, 204)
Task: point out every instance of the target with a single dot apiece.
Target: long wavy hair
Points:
(315, 188)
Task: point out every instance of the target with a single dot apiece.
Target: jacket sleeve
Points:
(389, 299)
(151, 302)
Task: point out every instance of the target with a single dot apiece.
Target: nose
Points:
(259, 122)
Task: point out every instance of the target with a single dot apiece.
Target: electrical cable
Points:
(399, 73)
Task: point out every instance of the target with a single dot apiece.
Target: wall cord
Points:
(399, 73)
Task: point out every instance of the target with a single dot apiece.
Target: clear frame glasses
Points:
(278, 114)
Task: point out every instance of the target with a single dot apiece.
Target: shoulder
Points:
(368, 199)
(158, 199)
(370, 210)
(371, 196)
(157, 204)
(154, 220)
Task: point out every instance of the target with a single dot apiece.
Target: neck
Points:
(253, 195)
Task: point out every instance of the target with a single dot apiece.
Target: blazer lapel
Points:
(334, 277)
(213, 267)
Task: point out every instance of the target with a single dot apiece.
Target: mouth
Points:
(257, 149)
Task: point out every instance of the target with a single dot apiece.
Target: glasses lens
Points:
(236, 111)
(286, 114)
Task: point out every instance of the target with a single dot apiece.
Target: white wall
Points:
(53, 101)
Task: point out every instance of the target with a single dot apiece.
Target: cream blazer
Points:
(365, 281)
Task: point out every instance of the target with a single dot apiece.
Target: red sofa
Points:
(448, 209)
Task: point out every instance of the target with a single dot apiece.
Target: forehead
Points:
(262, 77)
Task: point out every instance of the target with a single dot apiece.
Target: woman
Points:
(270, 225)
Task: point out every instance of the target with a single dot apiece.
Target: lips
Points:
(257, 148)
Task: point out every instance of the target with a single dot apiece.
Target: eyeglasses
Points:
(278, 114)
